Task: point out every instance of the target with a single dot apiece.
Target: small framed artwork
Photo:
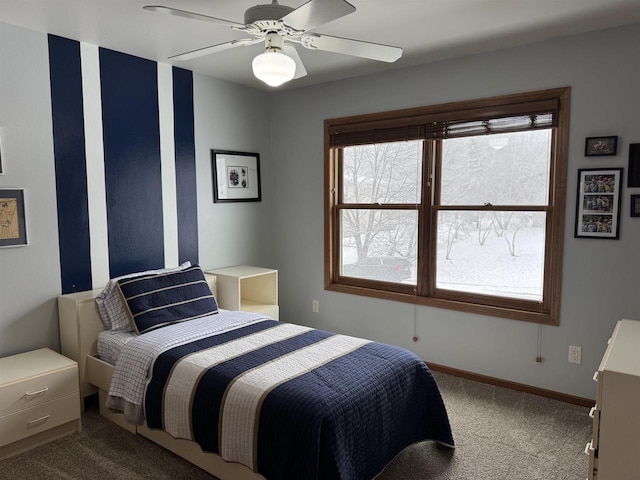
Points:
(635, 205)
(633, 179)
(1, 169)
(236, 176)
(600, 146)
(598, 203)
(13, 231)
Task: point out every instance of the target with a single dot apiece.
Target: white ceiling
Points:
(427, 30)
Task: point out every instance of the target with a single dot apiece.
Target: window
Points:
(456, 206)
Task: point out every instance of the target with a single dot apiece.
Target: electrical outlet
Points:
(315, 306)
(575, 354)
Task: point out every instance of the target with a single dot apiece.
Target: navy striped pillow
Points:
(155, 301)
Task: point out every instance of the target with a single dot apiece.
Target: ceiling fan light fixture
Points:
(274, 67)
(275, 24)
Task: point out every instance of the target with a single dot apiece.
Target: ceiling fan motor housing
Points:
(274, 43)
(267, 12)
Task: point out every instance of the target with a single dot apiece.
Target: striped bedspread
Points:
(291, 402)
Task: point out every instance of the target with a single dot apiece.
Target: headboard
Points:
(80, 324)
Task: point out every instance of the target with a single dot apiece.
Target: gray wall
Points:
(232, 117)
(601, 277)
(29, 276)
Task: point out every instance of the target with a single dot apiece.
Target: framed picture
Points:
(1, 169)
(236, 176)
(633, 179)
(13, 231)
(600, 146)
(635, 205)
(598, 204)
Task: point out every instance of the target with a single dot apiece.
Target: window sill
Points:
(545, 318)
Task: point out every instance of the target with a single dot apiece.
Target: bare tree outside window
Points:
(381, 174)
(487, 251)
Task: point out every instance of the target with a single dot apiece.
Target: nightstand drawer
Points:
(37, 390)
(25, 423)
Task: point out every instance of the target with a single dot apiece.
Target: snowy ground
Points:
(490, 269)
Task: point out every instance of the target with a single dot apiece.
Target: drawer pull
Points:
(595, 376)
(37, 392)
(592, 411)
(30, 423)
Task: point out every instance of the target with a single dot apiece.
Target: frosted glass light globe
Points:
(273, 68)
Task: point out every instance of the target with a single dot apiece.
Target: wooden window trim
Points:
(546, 312)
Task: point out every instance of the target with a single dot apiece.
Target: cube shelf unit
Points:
(248, 288)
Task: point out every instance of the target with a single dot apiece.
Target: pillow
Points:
(155, 301)
(110, 305)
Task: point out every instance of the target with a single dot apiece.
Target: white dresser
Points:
(39, 400)
(614, 451)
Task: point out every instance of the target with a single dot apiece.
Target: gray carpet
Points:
(500, 434)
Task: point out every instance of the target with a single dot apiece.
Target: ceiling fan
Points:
(279, 27)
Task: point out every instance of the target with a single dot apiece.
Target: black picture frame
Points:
(1, 167)
(635, 206)
(598, 203)
(236, 176)
(633, 177)
(13, 229)
(600, 146)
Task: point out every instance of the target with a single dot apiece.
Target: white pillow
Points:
(111, 306)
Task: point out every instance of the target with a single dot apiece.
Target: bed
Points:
(267, 399)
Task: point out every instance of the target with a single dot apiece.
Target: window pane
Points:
(492, 253)
(382, 173)
(504, 169)
(379, 244)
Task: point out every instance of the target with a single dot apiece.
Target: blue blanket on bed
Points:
(297, 403)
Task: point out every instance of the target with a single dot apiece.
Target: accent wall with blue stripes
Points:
(125, 163)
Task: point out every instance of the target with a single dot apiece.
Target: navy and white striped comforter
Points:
(295, 403)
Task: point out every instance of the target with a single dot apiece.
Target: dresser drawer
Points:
(594, 413)
(38, 389)
(593, 461)
(39, 418)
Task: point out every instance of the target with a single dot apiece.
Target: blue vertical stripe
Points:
(70, 164)
(133, 179)
(185, 165)
(127, 227)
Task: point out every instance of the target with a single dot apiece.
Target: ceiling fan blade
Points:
(200, 52)
(194, 16)
(357, 48)
(317, 12)
(291, 51)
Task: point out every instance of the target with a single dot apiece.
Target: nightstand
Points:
(39, 400)
(247, 288)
